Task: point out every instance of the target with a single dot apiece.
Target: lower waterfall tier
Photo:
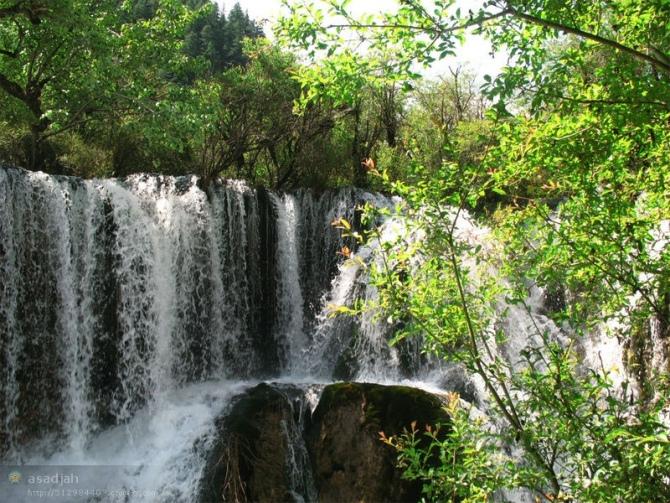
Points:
(241, 441)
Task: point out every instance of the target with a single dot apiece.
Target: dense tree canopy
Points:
(124, 70)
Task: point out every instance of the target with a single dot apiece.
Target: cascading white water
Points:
(131, 309)
(12, 346)
(158, 455)
(376, 361)
(120, 296)
(236, 212)
(289, 293)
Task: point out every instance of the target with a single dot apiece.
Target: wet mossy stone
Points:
(347, 365)
(554, 299)
(349, 461)
(457, 379)
(250, 460)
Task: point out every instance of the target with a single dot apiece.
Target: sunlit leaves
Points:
(576, 184)
(89, 60)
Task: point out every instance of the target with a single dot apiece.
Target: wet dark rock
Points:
(554, 299)
(457, 379)
(106, 353)
(263, 301)
(260, 455)
(647, 352)
(271, 449)
(410, 355)
(347, 365)
(350, 462)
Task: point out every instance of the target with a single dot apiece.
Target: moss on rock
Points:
(350, 462)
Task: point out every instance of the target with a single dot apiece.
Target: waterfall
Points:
(133, 311)
(121, 299)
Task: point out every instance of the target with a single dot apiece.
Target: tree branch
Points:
(10, 54)
(12, 88)
(33, 11)
(639, 55)
(507, 409)
(16, 51)
(436, 29)
(604, 101)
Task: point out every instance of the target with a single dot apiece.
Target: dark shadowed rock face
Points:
(271, 450)
(260, 456)
(350, 463)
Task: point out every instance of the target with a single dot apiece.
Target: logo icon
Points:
(14, 477)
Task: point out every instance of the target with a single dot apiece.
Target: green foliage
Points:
(219, 38)
(607, 447)
(83, 158)
(445, 123)
(585, 439)
(255, 133)
(114, 75)
(75, 64)
(600, 173)
(459, 463)
(10, 141)
(572, 166)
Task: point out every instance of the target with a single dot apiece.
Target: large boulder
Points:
(260, 454)
(272, 449)
(349, 461)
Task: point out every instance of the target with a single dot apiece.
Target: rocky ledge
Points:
(272, 448)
